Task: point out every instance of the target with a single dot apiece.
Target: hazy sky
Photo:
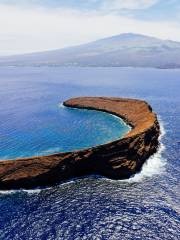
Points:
(38, 25)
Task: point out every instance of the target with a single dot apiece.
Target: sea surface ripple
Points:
(147, 206)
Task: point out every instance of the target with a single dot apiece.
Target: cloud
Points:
(128, 4)
(113, 4)
(35, 29)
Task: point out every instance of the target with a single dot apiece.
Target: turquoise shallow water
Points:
(43, 129)
(145, 207)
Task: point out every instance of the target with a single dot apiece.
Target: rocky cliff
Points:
(119, 159)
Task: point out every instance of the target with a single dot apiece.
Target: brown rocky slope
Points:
(119, 159)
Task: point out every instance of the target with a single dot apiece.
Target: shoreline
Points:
(119, 159)
(51, 150)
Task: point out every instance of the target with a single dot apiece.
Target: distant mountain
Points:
(124, 50)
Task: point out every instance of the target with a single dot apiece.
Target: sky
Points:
(39, 25)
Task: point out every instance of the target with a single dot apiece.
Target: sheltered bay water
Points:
(57, 129)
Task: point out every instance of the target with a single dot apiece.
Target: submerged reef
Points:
(118, 159)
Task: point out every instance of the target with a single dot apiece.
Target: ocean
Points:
(34, 122)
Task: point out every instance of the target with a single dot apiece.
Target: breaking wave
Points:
(32, 191)
(155, 165)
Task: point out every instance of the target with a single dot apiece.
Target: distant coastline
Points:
(124, 50)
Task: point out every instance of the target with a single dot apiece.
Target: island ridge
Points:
(118, 159)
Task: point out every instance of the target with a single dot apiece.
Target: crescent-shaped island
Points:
(118, 159)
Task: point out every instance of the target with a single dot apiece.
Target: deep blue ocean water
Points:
(144, 207)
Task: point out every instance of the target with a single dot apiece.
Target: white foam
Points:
(155, 165)
(29, 191)
(61, 105)
(6, 192)
(49, 151)
(121, 121)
